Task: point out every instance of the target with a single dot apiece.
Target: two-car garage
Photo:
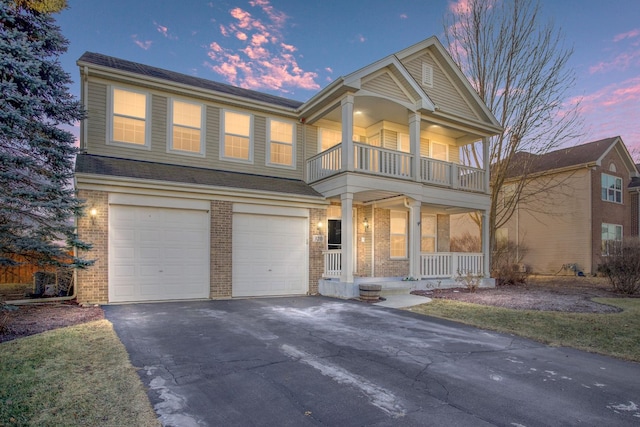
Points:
(160, 249)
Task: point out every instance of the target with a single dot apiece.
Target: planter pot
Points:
(370, 293)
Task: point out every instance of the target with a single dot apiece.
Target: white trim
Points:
(223, 112)
(147, 119)
(170, 125)
(269, 210)
(293, 144)
(158, 202)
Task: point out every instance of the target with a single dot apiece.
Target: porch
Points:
(396, 164)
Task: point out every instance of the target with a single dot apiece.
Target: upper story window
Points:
(329, 138)
(281, 145)
(186, 133)
(129, 119)
(439, 151)
(611, 188)
(399, 234)
(237, 137)
(403, 143)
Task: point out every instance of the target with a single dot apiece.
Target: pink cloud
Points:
(361, 38)
(265, 60)
(628, 35)
(620, 62)
(141, 44)
(328, 69)
(403, 16)
(164, 31)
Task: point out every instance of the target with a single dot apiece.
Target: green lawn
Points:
(74, 376)
(613, 334)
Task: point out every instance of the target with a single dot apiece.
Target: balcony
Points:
(395, 164)
(438, 265)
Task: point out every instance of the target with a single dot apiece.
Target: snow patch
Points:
(171, 408)
(380, 397)
(495, 377)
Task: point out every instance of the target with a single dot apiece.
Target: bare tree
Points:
(518, 66)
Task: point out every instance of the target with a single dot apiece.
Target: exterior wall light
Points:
(93, 212)
(365, 223)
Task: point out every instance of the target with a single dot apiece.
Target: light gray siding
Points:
(385, 85)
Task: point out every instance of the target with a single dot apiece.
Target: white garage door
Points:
(158, 254)
(270, 255)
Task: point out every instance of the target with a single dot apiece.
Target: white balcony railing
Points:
(396, 164)
(450, 264)
(332, 263)
(432, 265)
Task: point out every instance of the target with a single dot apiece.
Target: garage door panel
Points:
(152, 257)
(270, 255)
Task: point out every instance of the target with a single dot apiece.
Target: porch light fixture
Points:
(93, 212)
(319, 226)
(365, 223)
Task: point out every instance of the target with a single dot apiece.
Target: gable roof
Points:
(137, 169)
(104, 61)
(579, 155)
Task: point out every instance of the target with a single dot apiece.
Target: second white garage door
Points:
(270, 255)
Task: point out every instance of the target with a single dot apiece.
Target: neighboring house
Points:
(585, 203)
(197, 189)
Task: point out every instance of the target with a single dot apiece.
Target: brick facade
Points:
(316, 256)
(384, 266)
(221, 249)
(92, 282)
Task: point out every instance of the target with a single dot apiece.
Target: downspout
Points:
(85, 106)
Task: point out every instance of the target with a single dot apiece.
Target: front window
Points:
(186, 127)
(611, 188)
(399, 235)
(428, 231)
(611, 238)
(129, 117)
(281, 143)
(403, 143)
(236, 140)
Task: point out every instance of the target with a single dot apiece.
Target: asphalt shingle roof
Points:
(136, 169)
(159, 73)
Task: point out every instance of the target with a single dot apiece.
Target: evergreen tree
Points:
(37, 201)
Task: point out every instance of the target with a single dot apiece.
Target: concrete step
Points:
(395, 289)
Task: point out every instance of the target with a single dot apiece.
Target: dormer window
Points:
(129, 122)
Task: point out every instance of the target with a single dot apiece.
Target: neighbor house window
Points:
(129, 117)
(329, 138)
(236, 136)
(186, 127)
(611, 188)
(399, 234)
(611, 238)
(281, 147)
(428, 233)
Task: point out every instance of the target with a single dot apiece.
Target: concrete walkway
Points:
(402, 301)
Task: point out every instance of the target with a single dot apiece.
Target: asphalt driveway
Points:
(319, 361)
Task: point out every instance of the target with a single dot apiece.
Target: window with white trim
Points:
(611, 188)
(439, 151)
(281, 146)
(237, 137)
(398, 234)
(128, 122)
(428, 233)
(611, 238)
(329, 138)
(186, 127)
(403, 143)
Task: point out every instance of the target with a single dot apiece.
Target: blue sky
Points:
(293, 48)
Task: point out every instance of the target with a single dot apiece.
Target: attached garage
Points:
(159, 251)
(270, 251)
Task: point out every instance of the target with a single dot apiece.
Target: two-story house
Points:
(197, 189)
(578, 205)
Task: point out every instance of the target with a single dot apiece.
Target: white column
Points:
(347, 133)
(486, 247)
(414, 238)
(346, 238)
(486, 163)
(414, 139)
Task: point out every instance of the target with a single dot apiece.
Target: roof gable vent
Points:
(427, 75)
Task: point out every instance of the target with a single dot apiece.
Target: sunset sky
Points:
(294, 48)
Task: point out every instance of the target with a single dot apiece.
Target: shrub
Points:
(622, 268)
(507, 259)
(469, 280)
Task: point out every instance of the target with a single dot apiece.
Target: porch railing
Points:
(368, 158)
(450, 264)
(332, 263)
(396, 164)
(432, 265)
